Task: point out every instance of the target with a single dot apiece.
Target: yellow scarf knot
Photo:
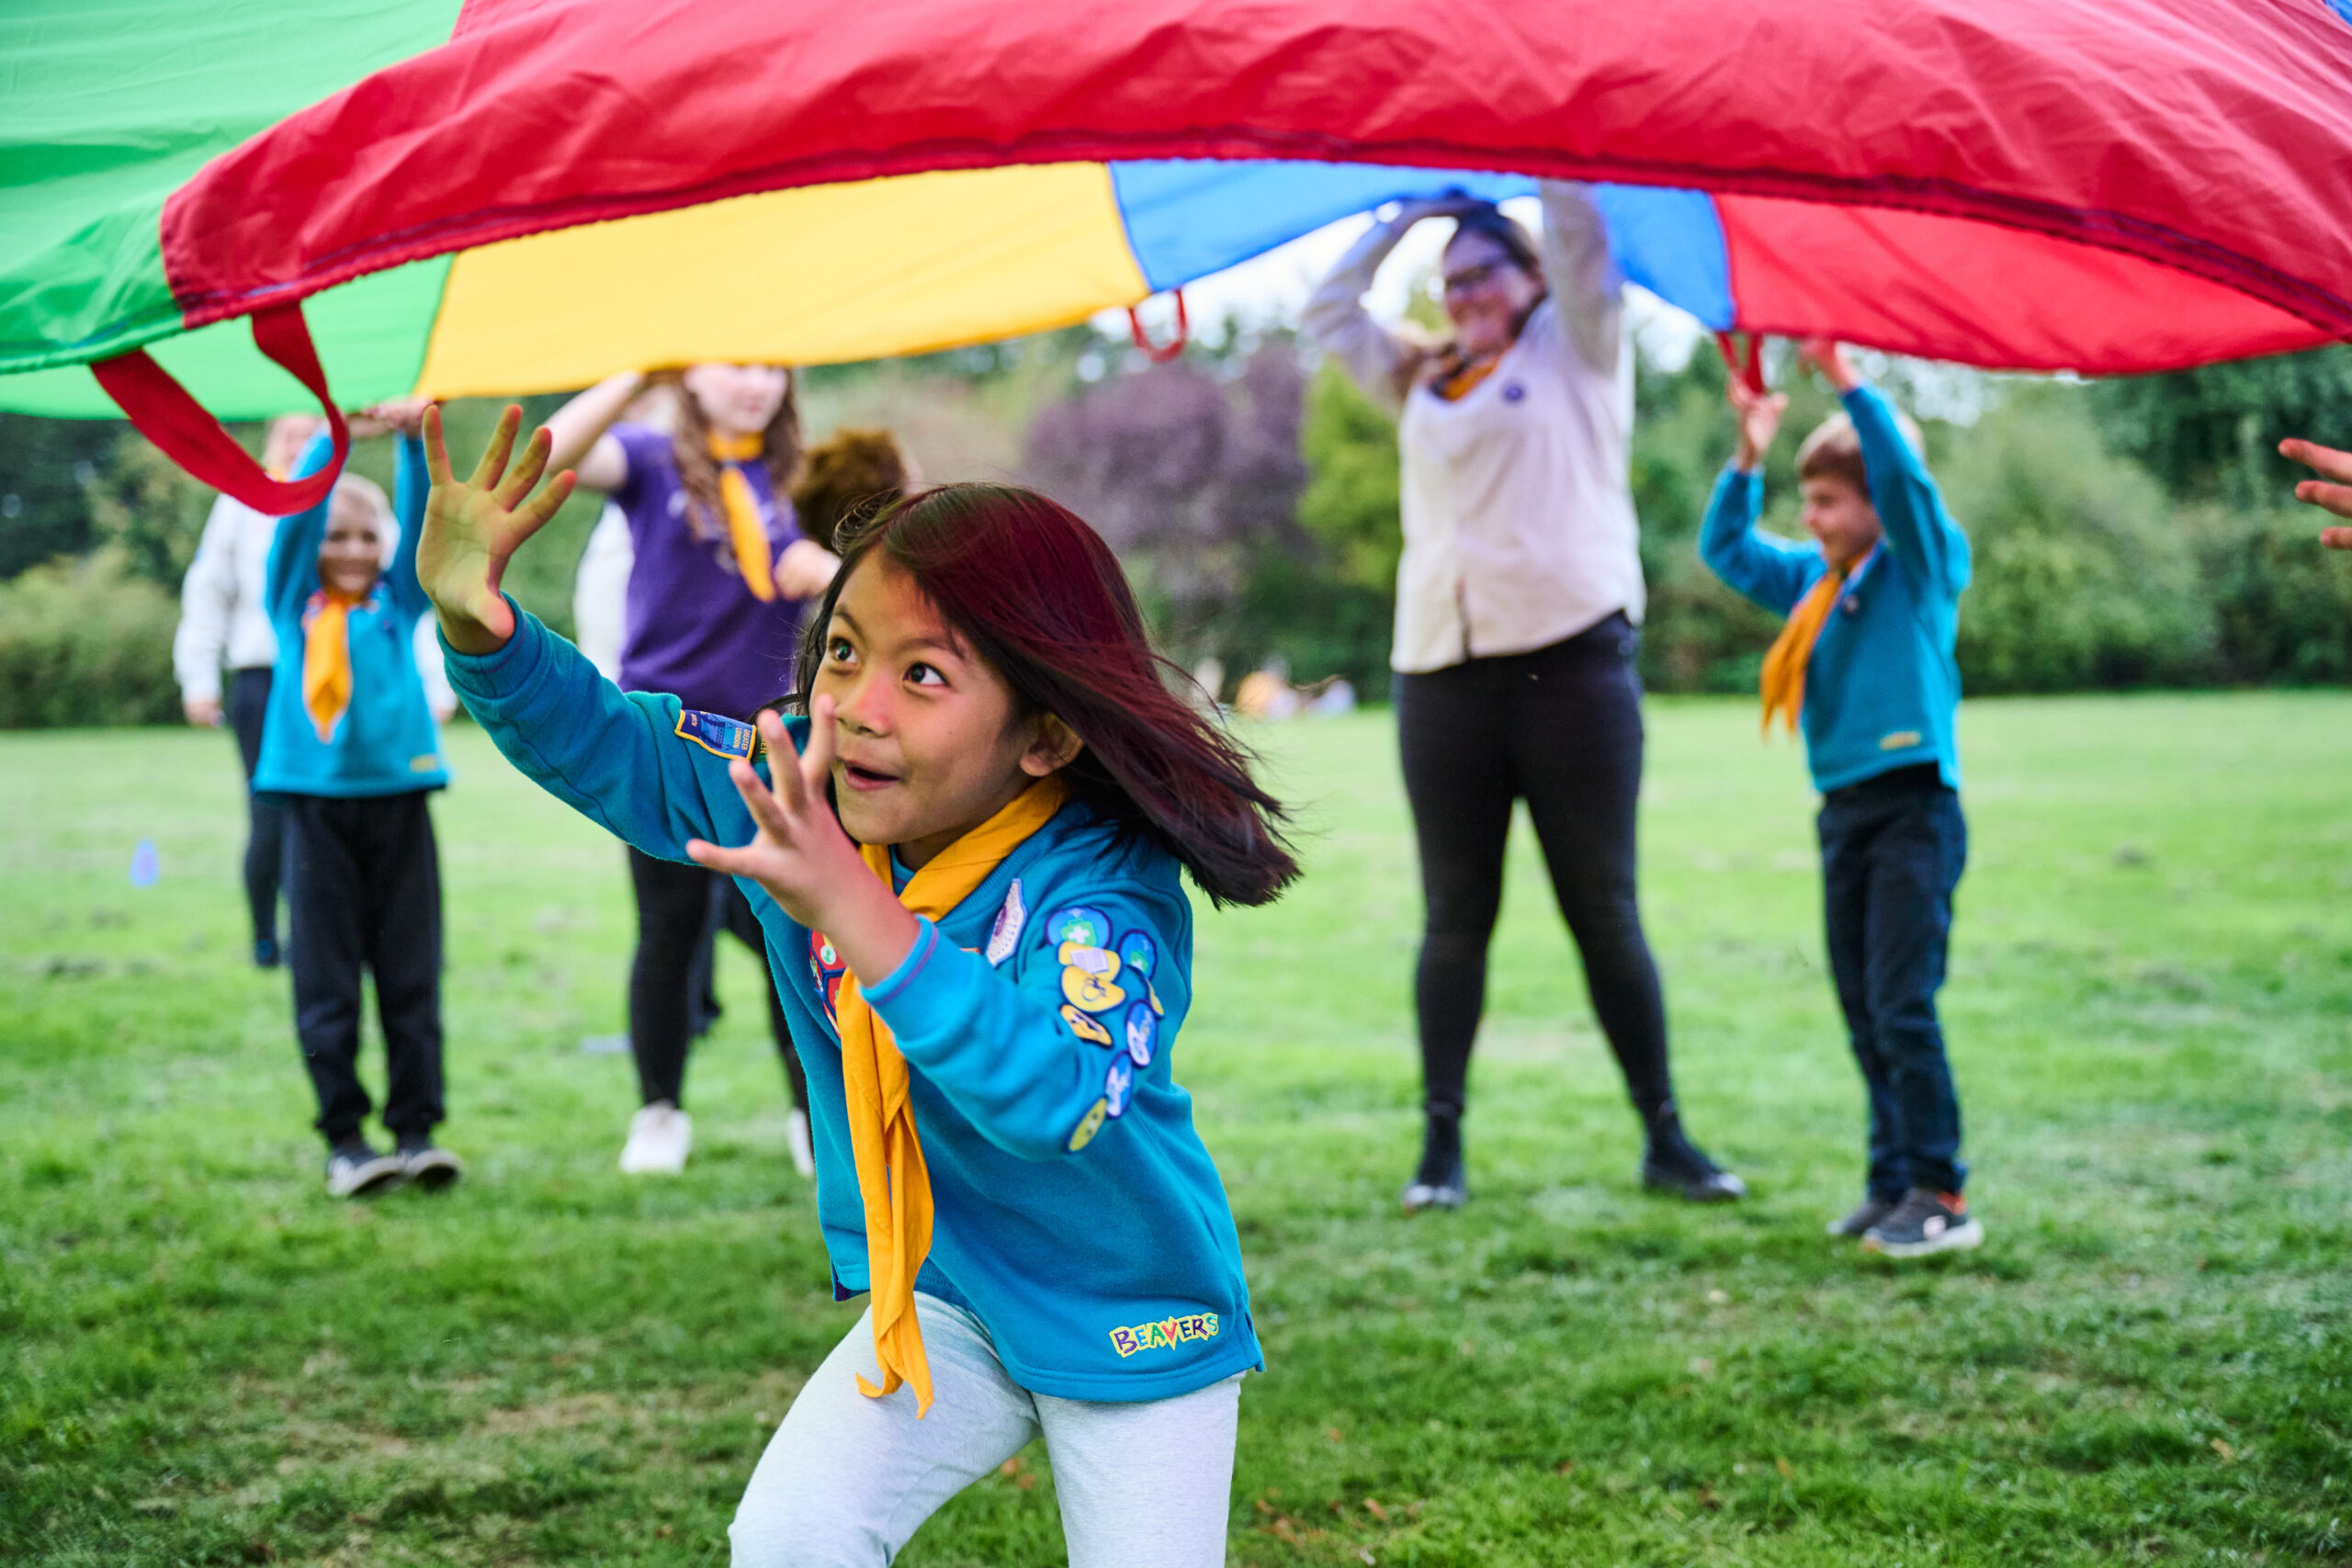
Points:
(745, 530)
(326, 659)
(1785, 661)
(891, 1176)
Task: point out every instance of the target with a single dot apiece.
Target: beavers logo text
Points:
(1165, 1335)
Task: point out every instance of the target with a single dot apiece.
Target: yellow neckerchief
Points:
(1456, 387)
(745, 529)
(891, 1176)
(326, 659)
(1785, 661)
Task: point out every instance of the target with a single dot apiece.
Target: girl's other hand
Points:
(801, 856)
(2330, 464)
(472, 526)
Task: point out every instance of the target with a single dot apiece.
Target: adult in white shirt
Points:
(224, 622)
(1517, 603)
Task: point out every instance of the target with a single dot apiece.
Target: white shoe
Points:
(796, 1136)
(659, 1137)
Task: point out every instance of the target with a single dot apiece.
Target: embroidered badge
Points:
(1118, 1085)
(1080, 924)
(718, 734)
(1142, 1032)
(1005, 934)
(827, 968)
(1165, 1335)
(1089, 977)
(1138, 953)
(1089, 1124)
(1084, 1027)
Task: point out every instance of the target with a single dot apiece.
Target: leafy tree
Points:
(2214, 434)
(46, 468)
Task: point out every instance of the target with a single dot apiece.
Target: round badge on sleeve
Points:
(1137, 952)
(1118, 1087)
(1141, 1032)
(1080, 925)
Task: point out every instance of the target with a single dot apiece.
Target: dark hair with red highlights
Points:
(1039, 596)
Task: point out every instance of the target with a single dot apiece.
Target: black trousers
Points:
(266, 833)
(363, 882)
(677, 906)
(1891, 852)
(1559, 728)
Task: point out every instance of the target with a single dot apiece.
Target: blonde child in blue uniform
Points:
(1865, 666)
(967, 862)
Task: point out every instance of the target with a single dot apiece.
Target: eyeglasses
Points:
(1470, 278)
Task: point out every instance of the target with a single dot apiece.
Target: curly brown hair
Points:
(698, 471)
(851, 473)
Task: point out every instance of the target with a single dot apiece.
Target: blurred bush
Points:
(86, 642)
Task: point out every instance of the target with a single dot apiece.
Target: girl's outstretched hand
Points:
(2335, 497)
(472, 526)
(802, 857)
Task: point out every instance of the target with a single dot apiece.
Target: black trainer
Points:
(1672, 1163)
(1440, 1183)
(355, 1170)
(1925, 1223)
(430, 1167)
(1862, 1217)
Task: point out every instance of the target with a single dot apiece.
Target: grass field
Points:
(204, 1359)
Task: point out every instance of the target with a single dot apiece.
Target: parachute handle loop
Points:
(1161, 353)
(1752, 372)
(176, 423)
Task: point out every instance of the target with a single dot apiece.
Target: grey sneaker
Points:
(1862, 1217)
(1923, 1222)
(355, 1169)
(430, 1167)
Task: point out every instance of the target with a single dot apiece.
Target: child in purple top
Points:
(721, 579)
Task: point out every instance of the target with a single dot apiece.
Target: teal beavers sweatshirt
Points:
(1882, 689)
(386, 742)
(1076, 1214)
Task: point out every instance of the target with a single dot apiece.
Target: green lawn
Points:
(204, 1359)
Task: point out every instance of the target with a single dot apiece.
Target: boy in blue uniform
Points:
(350, 750)
(1867, 658)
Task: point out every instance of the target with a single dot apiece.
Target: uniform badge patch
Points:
(1080, 924)
(1165, 1335)
(1005, 934)
(1084, 1027)
(1118, 1085)
(1141, 1029)
(1090, 977)
(718, 734)
(1138, 953)
(1089, 1124)
(827, 968)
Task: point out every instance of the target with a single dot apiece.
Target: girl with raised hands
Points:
(967, 862)
(719, 578)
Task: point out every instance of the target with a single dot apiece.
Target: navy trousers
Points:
(363, 882)
(1891, 850)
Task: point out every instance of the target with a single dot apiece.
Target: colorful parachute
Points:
(504, 195)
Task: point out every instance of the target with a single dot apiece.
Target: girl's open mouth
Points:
(866, 778)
